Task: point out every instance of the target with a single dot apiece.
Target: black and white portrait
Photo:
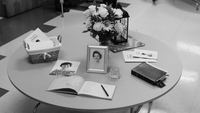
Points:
(97, 58)
(64, 68)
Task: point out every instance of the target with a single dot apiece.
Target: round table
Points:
(32, 79)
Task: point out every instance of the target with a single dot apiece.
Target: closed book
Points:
(149, 73)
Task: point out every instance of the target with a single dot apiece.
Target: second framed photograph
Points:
(97, 59)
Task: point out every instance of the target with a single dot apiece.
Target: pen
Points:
(104, 90)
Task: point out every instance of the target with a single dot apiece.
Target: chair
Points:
(61, 3)
(197, 4)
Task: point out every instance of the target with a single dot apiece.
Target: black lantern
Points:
(122, 37)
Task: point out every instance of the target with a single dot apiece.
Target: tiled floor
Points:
(12, 27)
(174, 22)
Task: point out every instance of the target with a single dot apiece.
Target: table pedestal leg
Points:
(150, 105)
(154, 1)
(137, 108)
(36, 107)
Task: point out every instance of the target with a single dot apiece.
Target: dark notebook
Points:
(150, 74)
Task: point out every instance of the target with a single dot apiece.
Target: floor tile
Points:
(174, 102)
(195, 108)
(8, 48)
(12, 101)
(3, 92)
(1, 57)
(10, 28)
(46, 28)
(30, 105)
(68, 20)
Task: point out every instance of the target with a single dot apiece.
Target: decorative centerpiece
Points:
(106, 24)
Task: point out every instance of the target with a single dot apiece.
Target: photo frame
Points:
(97, 59)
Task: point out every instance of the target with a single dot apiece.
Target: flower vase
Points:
(104, 43)
(104, 40)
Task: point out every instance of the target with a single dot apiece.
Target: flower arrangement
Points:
(101, 22)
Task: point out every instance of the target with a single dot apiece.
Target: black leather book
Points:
(150, 74)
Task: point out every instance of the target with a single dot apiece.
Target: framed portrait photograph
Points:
(97, 59)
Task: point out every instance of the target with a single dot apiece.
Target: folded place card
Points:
(139, 55)
(36, 36)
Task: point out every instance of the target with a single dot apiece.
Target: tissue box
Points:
(38, 53)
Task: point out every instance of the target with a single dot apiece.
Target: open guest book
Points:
(150, 74)
(78, 86)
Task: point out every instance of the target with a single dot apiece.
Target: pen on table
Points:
(104, 90)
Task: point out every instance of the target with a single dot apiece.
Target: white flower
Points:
(87, 13)
(95, 13)
(92, 8)
(98, 26)
(103, 5)
(103, 12)
(119, 27)
(118, 13)
(88, 22)
(108, 26)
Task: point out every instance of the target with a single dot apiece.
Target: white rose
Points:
(97, 26)
(86, 13)
(118, 12)
(103, 12)
(88, 22)
(92, 8)
(119, 27)
(103, 5)
(95, 13)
